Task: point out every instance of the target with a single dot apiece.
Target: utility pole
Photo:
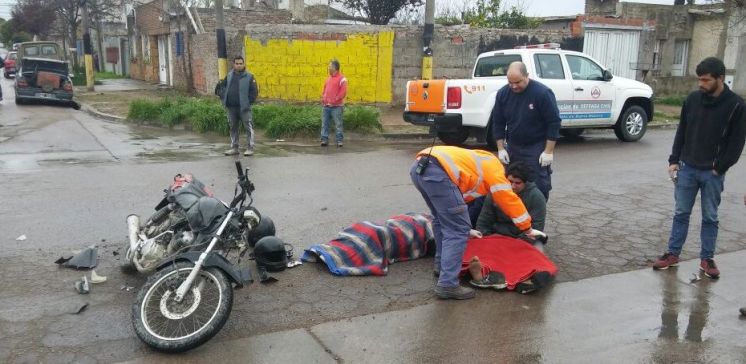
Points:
(220, 33)
(87, 48)
(427, 38)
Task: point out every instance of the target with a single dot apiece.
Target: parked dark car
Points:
(43, 79)
(10, 64)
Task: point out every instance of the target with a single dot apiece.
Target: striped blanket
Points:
(367, 248)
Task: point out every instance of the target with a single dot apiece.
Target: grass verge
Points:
(277, 120)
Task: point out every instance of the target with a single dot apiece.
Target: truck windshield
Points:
(496, 65)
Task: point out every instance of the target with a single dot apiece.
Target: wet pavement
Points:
(641, 316)
(69, 180)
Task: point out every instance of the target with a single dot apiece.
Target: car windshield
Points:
(12, 56)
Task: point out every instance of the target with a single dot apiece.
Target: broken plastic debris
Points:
(82, 286)
(21, 238)
(127, 288)
(95, 278)
(294, 263)
(87, 258)
(62, 260)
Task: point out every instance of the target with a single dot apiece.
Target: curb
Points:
(102, 115)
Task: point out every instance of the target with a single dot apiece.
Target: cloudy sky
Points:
(533, 7)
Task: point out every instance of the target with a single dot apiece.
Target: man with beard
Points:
(708, 141)
(239, 95)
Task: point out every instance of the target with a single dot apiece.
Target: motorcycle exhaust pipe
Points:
(133, 226)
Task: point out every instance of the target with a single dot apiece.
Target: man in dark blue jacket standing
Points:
(526, 124)
(708, 141)
(239, 94)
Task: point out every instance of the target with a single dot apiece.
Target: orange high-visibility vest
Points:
(477, 173)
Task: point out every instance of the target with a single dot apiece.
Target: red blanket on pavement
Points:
(516, 259)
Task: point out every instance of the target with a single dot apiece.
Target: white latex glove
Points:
(545, 159)
(475, 234)
(502, 154)
(535, 234)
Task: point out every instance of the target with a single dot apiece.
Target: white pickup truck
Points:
(588, 96)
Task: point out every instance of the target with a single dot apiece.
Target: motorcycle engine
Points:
(180, 240)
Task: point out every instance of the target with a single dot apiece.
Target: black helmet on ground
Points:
(266, 227)
(270, 253)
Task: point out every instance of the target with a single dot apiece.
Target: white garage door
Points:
(614, 48)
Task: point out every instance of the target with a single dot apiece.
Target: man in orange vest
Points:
(448, 178)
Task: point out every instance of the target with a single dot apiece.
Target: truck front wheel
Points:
(455, 137)
(632, 125)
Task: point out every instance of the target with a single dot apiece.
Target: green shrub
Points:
(278, 120)
(361, 118)
(676, 100)
(143, 110)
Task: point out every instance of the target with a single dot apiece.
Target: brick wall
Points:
(235, 20)
(149, 18)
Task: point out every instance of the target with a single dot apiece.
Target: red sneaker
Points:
(665, 261)
(708, 267)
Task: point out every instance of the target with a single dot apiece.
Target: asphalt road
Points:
(69, 181)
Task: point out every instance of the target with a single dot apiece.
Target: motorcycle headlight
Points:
(251, 217)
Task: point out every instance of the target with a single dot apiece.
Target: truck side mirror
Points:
(607, 75)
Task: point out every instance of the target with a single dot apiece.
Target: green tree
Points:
(487, 14)
(378, 11)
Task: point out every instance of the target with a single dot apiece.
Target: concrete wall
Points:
(601, 7)
(673, 85)
(456, 48)
(290, 60)
(291, 64)
(703, 43)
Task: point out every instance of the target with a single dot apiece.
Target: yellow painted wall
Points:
(295, 70)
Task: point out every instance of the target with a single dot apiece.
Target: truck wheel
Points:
(455, 137)
(632, 125)
(571, 133)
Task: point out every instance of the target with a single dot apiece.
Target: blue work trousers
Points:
(690, 181)
(451, 223)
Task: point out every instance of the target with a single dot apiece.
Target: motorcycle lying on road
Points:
(186, 246)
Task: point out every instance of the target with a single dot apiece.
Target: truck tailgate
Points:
(426, 96)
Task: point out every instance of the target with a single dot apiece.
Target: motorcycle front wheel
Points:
(171, 326)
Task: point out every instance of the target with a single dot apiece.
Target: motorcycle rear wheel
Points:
(170, 326)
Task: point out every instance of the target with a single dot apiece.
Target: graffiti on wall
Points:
(295, 69)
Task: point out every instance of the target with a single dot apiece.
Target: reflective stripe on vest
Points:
(522, 218)
(501, 187)
(442, 157)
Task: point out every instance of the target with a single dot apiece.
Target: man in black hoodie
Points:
(708, 141)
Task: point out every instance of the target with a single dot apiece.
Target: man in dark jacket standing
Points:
(240, 93)
(708, 141)
(526, 124)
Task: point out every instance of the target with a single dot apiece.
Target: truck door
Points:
(592, 96)
(551, 72)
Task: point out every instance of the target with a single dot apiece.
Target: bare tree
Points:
(34, 17)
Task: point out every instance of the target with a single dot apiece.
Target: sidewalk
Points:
(632, 317)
